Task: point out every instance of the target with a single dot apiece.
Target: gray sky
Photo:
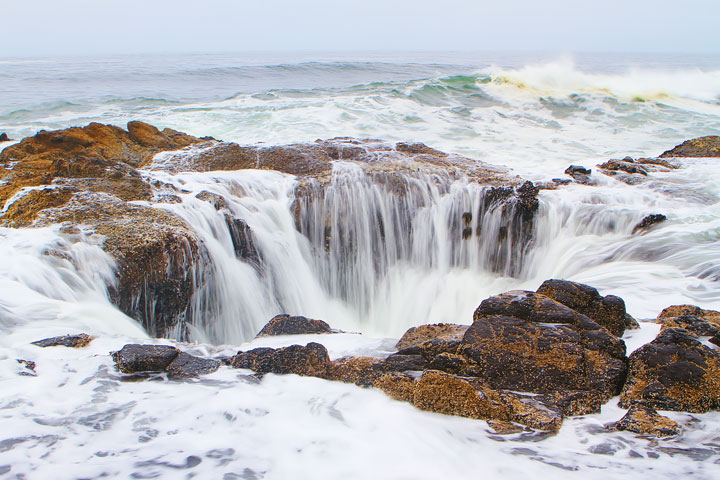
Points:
(49, 27)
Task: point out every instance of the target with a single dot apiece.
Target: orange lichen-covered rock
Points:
(674, 372)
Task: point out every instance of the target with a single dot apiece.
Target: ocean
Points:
(533, 113)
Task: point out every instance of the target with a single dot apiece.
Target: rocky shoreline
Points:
(528, 360)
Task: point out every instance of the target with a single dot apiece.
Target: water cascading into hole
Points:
(347, 251)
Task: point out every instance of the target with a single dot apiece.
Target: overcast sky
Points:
(50, 27)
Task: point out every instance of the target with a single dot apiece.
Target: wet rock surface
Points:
(135, 358)
(698, 147)
(140, 359)
(4, 137)
(673, 372)
(309, 360)
(608, 311)
(440, 331)
(695, 326)
(72, 341)
(645, 420)
(293, 325)
(648, 222)
(188, 366)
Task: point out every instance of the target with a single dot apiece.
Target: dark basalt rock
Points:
(573, 169)
(645, 420)
(188, 366)
(515, 354)
(695, 326)
(608, 311)
(673, 372)
(309, 360)
(243, 241)
(293, 325)
(133, 358)
(4, 137)
(698, 147)
(72, 341)
(649, 221)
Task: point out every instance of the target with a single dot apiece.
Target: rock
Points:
(608, 311)
(501, 427)
(440, 331)
(99, 158)
(665, 165)
(572, 403)
(158, 257)
(29, 368)
(188, 366)
(673, 372)
(4, 137)
(529, 306)
(309, 360)
(293, 325)
(648, 222)
(134, 358)
(627, 165)
(698, 147)
(680, 310)
(510, 353)
(362, 371)
(469, 397)
(72, 341)
(580, 174)
(404, 363)
(715, 340)
(645, 420)
(695, 326)
(573, 169)
(398, 386)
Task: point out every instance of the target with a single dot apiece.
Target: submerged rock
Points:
(698, 147)
(645, 420)
(28, 368)
(293, 325)
(648, 222)
(188, 366)
(673, 372)
(608, 311)
(133, 358)
(72, 341)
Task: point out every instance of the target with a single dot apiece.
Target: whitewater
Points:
(78, 418)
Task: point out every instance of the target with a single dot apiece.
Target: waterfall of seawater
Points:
(379, 251)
